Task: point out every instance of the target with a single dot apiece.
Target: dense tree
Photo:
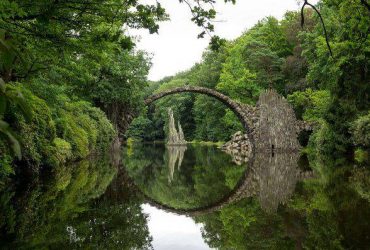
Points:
(82, 47)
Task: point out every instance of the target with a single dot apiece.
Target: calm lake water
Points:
(150, 196)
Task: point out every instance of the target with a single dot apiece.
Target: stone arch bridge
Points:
(270, 126)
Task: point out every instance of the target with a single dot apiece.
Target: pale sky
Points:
(176, 47)
(173, 232)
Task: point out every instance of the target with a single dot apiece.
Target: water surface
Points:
(153, 197)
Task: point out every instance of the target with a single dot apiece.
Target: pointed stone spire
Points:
(174, 137)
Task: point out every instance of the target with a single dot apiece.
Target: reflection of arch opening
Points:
(271, 181)
(232, 196)
(240, 110)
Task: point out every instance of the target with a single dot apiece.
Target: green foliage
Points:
(254, 60)
(310, 105)
(140, 128)
(11, 95)
(10, 137)
(84, 56)
(6, 168)
(59, 132)
(63, 150)
(323, 140)
(86, 127)
(235, 77)
(346, 75)
(318, 233)
(72, 131)
(209, 127)
(37, 135)
(361, 156)
(243, 225)
(360, 130)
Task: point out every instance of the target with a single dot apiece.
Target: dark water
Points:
(194, 197)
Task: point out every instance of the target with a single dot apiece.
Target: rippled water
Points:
(195, 197)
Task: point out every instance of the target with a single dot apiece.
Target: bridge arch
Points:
(244, 112)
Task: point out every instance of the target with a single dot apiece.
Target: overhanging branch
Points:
(321, 20)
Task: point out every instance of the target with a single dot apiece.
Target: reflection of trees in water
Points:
(174, 154)
(270, 177)
(325, 212)
(206, 174)
(84, 205)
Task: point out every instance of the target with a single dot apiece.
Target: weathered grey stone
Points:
(277, 128)
(174, 137)
(239, 147)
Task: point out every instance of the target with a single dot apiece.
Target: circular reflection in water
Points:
(182, 178)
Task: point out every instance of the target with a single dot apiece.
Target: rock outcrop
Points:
(174, 137)
(239, 147)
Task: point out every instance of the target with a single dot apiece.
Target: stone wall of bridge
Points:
(273, 128)
(276, 129)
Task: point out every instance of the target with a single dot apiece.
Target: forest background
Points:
(70, 76)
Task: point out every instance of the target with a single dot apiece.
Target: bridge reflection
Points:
(271, 178)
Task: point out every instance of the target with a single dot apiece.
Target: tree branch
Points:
(322, 23)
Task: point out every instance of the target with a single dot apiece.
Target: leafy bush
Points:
(36, 135)
(323, 140)
(139, 128)
(361, 156)
(58, 132)
(76, 129)
(63, 150)
(310, 105)
(360, 130)
(104, 127)
(87, 128)
(6, 168)
(360, 182)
